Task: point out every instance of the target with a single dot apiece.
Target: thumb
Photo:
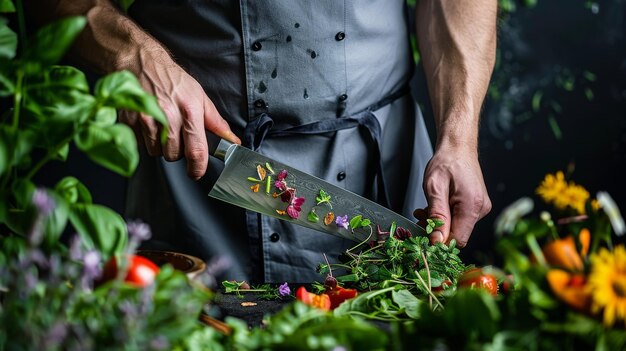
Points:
(217, 125)
(439, 208)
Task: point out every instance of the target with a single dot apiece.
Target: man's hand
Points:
(457, 39)
(113, 42)
(456, 194)
(189, 112)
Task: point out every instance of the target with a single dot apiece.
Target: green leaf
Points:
(73, 191)
(62, 153)
(365, 222)
(106, 116)
(122, 90)
(64, 77)
(7, 85)
(51, 42)
(407, 301)
(313, 217)
(6, 6)
(7, 142)
(355, 221)
(536, 102)
(8, 40)
(113, 147)
(100, 226)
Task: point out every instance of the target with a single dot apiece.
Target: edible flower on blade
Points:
(321, 301)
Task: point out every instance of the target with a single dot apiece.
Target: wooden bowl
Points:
(190, 265)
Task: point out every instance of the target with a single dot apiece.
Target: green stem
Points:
(47, 158)
(534, 247)
(364, 241)
(369, 316)
(427, 289)
(22, 24)
(381, 291)
(17, 99)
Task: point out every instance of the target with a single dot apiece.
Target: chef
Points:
(319, 85)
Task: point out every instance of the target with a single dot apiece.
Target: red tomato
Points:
(475, 277)
(141, 271)
(338, 295)
(321, 301)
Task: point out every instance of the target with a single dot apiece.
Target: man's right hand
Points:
(113, 42)
(189, 111)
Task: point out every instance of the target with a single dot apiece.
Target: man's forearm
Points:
(457, 41)
(110, 42)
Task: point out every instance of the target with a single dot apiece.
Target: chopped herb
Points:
(313, 217)
(392, 230)
(328, 219)
(323, 197)
(269, 168)
(359, 222)
(252, 179)
(281, 212)
(255, 188)
(275, 195)
(261, 171)
(433, 223)
(268, 182)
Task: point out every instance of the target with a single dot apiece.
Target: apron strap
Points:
(261, 127)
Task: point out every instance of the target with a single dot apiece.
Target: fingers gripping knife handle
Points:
(218, 148)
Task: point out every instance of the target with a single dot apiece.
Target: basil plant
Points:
(44, 107)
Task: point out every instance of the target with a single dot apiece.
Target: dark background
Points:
(557, 102)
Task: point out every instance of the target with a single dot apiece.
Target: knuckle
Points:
(189, 110)
(195, 154)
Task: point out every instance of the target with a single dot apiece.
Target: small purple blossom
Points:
(342, 221)
(139, 230)
(76, 248)
(402, 233)
(280, 185)
(91, 268)
(283, 289)
(43, 202)
(56, 335)
(293, 212)
(160, 343)
(282, 175)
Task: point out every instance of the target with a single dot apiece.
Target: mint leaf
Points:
(355, 222)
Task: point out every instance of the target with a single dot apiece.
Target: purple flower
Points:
(288, 195)
(91, 268)
(282, 175)
(342, 221)
(293, 212)
(139, 230)
(76, 248)
(283, 289)
(43, 202)
(160, 343)
(402, 233)
(280, 185)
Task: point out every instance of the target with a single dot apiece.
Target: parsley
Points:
(323, 197)
(432, 224)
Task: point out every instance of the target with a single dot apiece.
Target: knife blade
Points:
(237, 180)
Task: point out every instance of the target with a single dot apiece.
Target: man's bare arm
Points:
(113, 42)
(457, 40)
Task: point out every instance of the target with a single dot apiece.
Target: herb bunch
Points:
(410, 262)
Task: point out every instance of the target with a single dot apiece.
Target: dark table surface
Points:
(231, 305)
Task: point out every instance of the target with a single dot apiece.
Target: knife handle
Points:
(218, 147)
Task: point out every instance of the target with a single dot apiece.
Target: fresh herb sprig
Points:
(265, 291)
(412, 263)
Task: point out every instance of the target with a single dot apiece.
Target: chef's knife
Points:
(240, 177)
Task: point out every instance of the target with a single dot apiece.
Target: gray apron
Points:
(319, 85)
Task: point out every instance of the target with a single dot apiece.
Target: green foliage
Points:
(301, 327)
(52, 106)
(48, 303)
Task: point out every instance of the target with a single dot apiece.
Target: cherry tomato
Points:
(141, 271)
(475, 277)
(321, 301)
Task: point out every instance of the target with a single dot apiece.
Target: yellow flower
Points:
(607, 285)
(574, 196)
(554, 189)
